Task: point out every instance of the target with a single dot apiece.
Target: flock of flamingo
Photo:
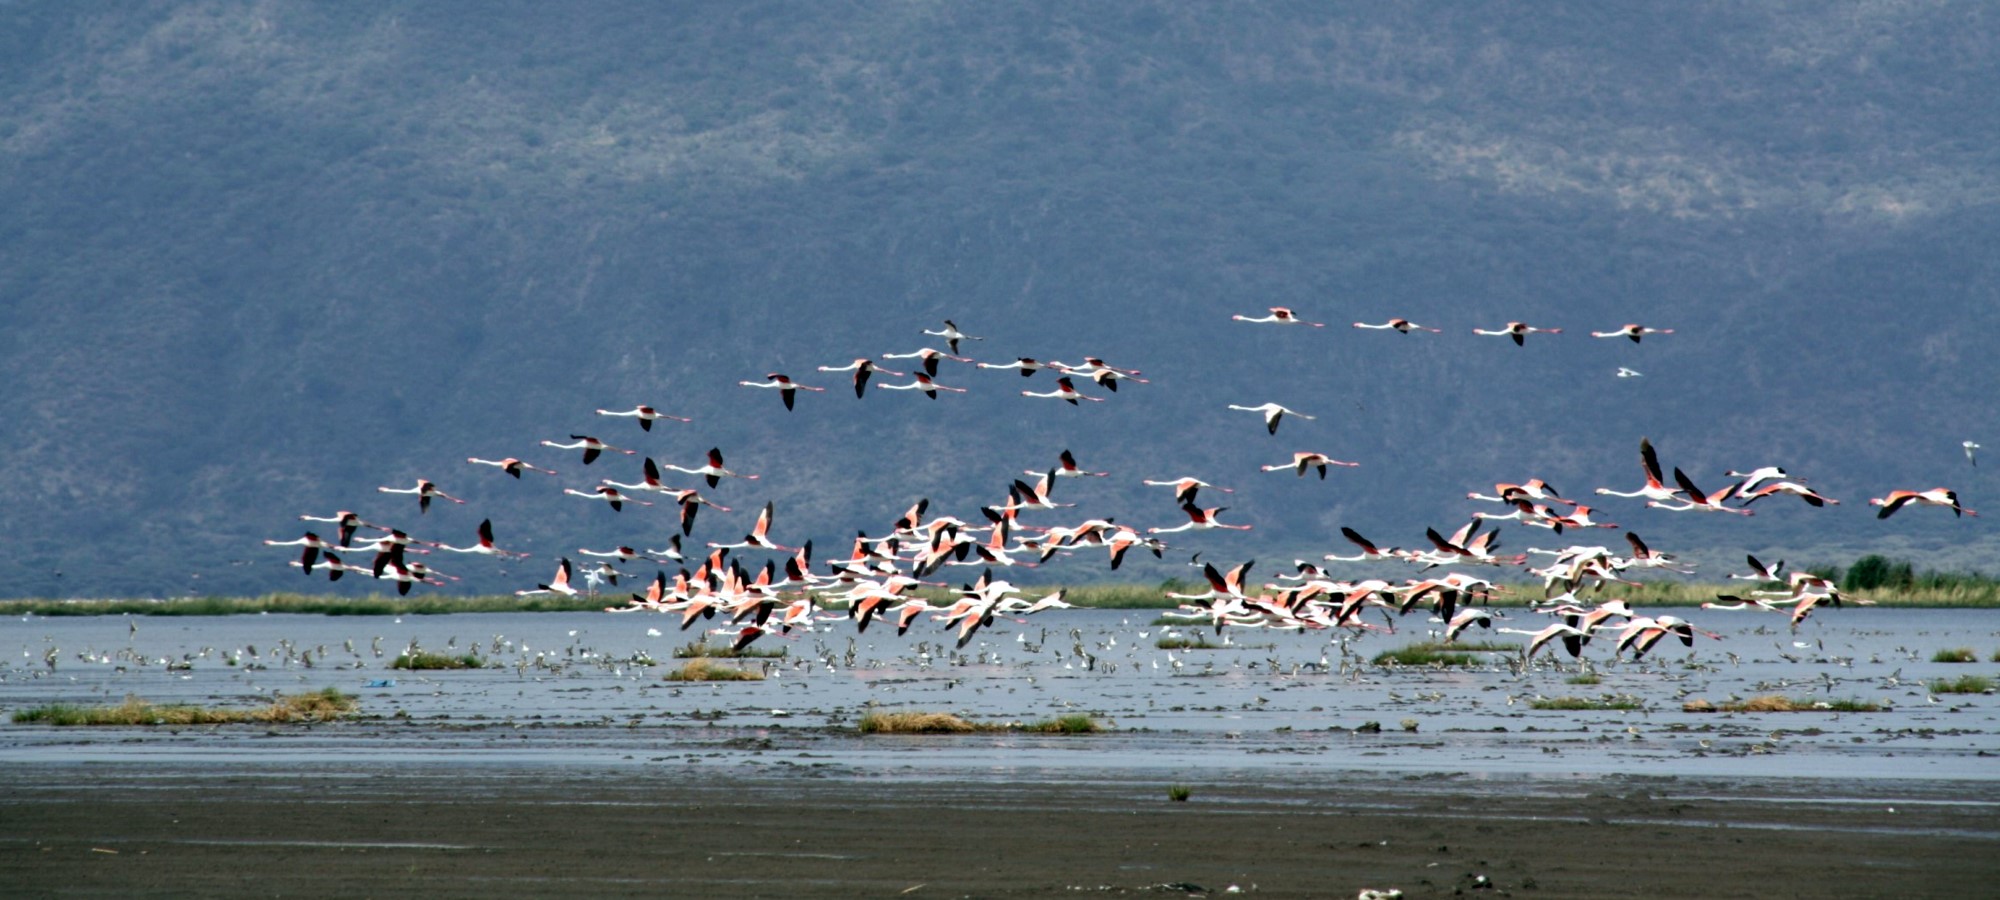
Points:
(880, 575)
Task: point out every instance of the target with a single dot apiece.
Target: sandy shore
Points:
(146, 830)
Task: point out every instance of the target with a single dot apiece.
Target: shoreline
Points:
(145, 828)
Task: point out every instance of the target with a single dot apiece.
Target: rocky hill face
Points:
(258, 259)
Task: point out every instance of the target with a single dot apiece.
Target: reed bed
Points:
(877, 722)
(315, 706)
(1074, 723)
(1955, 655)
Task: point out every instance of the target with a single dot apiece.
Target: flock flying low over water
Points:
(879, 576)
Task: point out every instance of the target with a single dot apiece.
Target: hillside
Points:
(258, 259)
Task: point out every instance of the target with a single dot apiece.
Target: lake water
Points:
(575, 689)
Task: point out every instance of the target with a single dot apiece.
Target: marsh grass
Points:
(315, 706)
(1186, 642)
(704, 650)
(701, 669)
(1179, 793)
(424, 659)
(1074, 723)
(1782, 703)
(1607, 702)
(1964, 684)
(1587, 678)
(1435, 654)
(1955, 655)
(877, 722)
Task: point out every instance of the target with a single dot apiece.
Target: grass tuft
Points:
(876, 722)
(1965, 684)
(1179, 793)
(700, 669)
(1074, 723)
(424, 659)
(1586, 678)
(1955, 655)
(1434, 654)
(316, 706)
(1186, 642)
(1781, 703)
(1621, 701)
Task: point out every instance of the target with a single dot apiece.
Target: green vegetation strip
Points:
(1434, 654)
(701, 669)
(700, 650)
(1964, 684)
(317, 706)
(878, 722)
(1781, 703)
(1620, 702)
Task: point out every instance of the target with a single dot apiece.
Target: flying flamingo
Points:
(510, 465)
(713, 470)
(925, 384)
(929, 357)
(346, 521)
(1811, 497)
(1273, 414)
(1572, 638)
(1368, 549)
(1896, 500)
(1306, 459)
(1279, 316)
(590, 446)
(1655, 489)
(785, 386)
(1198, 520)
(1635, 332)
(1698, 501)
(1064, 391)
(557, 585)
(1518, 331)
(1185, 488)
(645, 414)
(952, 336)
(1761, 572)
(313, 547)
(608, 494)
(1403, 325)
(1026, 365)
(1068, 468)
(862, 368)
(485, 546)
(425, 490)
(758, 536)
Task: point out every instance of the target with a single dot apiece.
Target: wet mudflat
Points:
(570, 766)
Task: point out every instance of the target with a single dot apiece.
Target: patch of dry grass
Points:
(316, 706)
(1782, 703)
(877, 722)
(704, 669)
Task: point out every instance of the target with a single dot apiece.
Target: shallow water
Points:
(574, 689)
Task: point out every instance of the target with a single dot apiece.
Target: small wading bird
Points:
(1971, 452)
(1279, 316)
(590, 446)
(1635, 332)
(645, 414)
(1896, 500)
(1629, 373)
(1519, 331)
(510, 465)
(1273, 414)
(787, 389)
(1403, 325)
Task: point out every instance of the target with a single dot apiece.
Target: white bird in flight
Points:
(1971, 452)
